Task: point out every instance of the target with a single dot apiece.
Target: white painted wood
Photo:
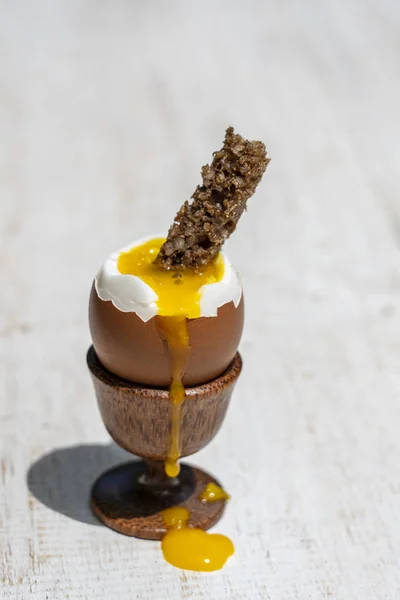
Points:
(107, 112)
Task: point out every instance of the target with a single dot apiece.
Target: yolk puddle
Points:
(213, 493)
(178, 299)
(191, 548)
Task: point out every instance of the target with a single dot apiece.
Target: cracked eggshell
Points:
(129, 293)
(122, 318)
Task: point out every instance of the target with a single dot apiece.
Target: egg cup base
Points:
(129, 499)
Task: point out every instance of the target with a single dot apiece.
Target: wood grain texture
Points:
(121, 501)
(139, 418)
(107, 112)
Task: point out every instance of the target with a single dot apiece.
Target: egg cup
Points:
(130, 498)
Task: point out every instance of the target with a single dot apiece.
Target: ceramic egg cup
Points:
(130, 498)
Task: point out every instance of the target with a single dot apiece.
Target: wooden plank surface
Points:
(107, 112)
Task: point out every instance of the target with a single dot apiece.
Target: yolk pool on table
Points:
(191, 548)
(178, 299)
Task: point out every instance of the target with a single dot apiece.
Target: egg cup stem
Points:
(155, 477)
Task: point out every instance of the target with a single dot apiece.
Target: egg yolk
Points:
(192, 548)
(213, 493)
(178, 291)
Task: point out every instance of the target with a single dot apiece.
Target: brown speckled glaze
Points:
(139, 418)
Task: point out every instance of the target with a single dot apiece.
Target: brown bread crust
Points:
(201, 227)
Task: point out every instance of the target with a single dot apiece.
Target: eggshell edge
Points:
(129, 293)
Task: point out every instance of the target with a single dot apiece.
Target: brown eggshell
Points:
(134, 350)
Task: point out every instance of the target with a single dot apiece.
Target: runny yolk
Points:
(191, 548)
(174, 330)
(213, 493)
(178, 299)
(178, 291)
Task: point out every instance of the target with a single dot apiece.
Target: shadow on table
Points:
(62, 479)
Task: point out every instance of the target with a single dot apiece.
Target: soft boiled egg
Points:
(130, 292)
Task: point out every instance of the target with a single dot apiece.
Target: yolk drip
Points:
(174, 330)
(178, 291)
(191, 548)
(213, 493)
(178, 299)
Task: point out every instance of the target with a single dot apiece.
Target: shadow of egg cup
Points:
(130, 498)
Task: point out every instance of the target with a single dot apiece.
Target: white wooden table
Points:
(107, 112)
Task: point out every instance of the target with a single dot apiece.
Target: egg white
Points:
(129, 293)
